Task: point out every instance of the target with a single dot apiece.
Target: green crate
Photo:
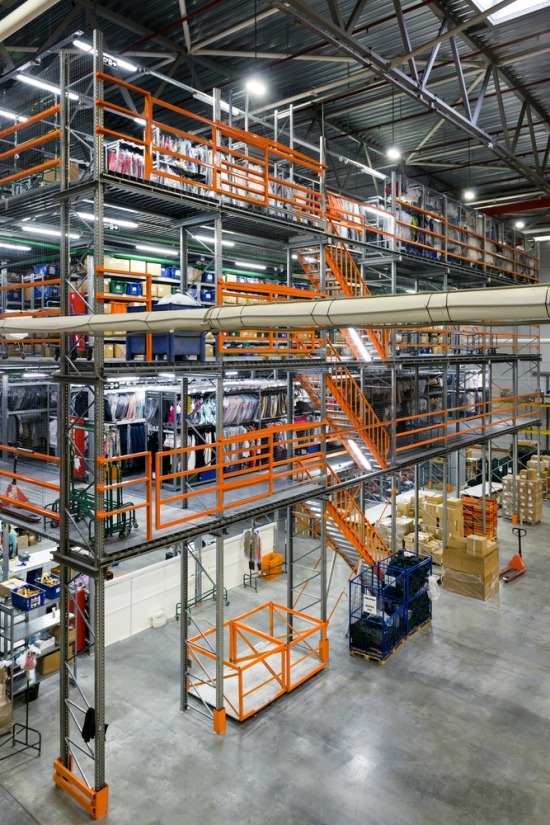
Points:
(118, 287)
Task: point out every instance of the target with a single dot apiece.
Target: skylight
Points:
(512, 10)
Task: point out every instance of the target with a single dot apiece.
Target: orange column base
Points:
(95, 802)
(219, 721)
(323, 650)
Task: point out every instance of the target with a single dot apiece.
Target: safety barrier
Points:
(21, 500)
(118, 516)
(19, 152)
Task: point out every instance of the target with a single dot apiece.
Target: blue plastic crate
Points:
(133, 288)
(14, 294)
(47, 292)
(28, 602)
(166, 271)
(51, 591)
(208, 278)
(46, 270)
(207, 295)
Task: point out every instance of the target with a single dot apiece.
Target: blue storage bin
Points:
(208, 278)
(167, 345)
(46, 270)
(207, 295)
(166, 271)
(176, 272)
(51, 591)
(14, 294)
(28, 602)
(52, 293)
(133, 288)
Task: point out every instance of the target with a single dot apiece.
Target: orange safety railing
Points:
(117, 302)
(465, 340)
(125, 513)
(19, 151)
(343, 508)
(248, 467)
(25, 493)
(460, 244)
(264, 342)
(232, 165)
(270, 650)
(455, 422)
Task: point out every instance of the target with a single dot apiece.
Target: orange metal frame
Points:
(96, 803)
(20, 149)
(147, 505)
(33, 482)
(282, 644)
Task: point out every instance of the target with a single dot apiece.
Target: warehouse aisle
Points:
(452, 729)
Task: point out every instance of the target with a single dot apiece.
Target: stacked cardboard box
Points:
(403, 526)
(472, 570)
(543, 473)
(529, 490)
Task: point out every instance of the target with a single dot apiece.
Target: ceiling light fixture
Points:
(120, 62)
(519, 224)
(161, 250)
(16, 247)
(206, 239)
(469, 194)
(255, 87)
(88, 216)
(46, 230)
(542, 238)
(393, 153)
(248, 265)
(12, 116)
(42, 84)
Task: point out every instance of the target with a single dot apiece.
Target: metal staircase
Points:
(349, 532)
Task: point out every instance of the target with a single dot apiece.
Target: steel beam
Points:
(304, 15)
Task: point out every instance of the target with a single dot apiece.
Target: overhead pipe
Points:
(25, 14)
(504, 305)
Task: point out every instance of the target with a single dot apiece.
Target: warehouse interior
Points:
(275, 411)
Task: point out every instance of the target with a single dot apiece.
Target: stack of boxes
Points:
(530, 492)
(403, 526)
(471, 567)
(473, 517)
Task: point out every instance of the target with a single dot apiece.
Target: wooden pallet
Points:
(420, 626)
(373, 658)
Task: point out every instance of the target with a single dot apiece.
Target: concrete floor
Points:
(452, 729)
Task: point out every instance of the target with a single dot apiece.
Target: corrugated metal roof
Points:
(292, 60)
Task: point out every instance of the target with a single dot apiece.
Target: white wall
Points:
(132, 598)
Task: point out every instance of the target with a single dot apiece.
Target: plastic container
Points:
(28, 602)
(117, 287)
(51, 591)
(46, 270)
(133, 288)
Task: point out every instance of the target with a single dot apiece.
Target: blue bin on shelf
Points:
(167, 345)
(51, 591)
(36, 599)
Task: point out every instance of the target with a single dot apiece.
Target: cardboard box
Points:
(153, 269)
(10, 584)
(436, 498)
(48, 663)
(136, 265)
(471, 585)
(454, 503)
(163, 289)
(108, 351)
(120, 264)
(55, 631)
(456, 543)
(6, 718)
(463, 563)
(476, 546)
(119, 351)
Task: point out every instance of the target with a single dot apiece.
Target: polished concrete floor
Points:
(452, 730)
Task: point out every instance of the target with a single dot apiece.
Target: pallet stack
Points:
(529, 492)
(472, 569)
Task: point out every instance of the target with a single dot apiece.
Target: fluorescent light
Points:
(113, 206)
(542, 238)
(255, 86)
(88, 216)
(46, 230)
(35, 375)
(120, 62)
(140, 121)
(359, 455)
(232, 372)
(363, 351)
(294, 257)
(249, 265)
(167, 375)
(12, 116)
(411, 291)
(393, 153)
(17, 247)
(206, 239)
(42, 84)
(162, 250)
(519, 224)
(469, 194)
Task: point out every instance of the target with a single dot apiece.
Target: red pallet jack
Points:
(515, 567)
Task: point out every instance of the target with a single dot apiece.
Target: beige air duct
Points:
(26, 13)
(507, 305)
